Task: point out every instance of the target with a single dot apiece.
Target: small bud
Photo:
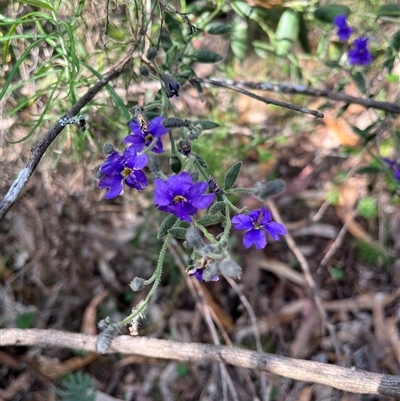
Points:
(175, 163)
(213, 186)
(108, 148)
(109, 331)
(263, 190)
(173, 122)
(230, 268)
(212, 271)
(186, 147)
(172, 86)
(154, 165)
(144, 71)
(151, 53)
(97, 174)
(136, 284)
(193, 237)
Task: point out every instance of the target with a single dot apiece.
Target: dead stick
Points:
(352, 380)
(39, 150)
(279, 103)
(304, 90)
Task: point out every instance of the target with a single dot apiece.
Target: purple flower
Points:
(343, 30)
(126, 167)
(359, 53)
(172, 86)
(393, 166)
(255, 223)
(143, 134)
(198, 273)
(180, 196)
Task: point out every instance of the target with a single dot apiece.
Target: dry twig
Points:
(352, 380)
(303, 90)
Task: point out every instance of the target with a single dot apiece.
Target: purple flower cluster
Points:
(127, 167)
(180, 196)
(395, 166)
(123, 167)
(343, 30)
(255, 223)
(144, 136)
(359, 53)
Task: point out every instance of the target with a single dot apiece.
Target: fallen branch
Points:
(236, 88)
(304, 90)
(352, 380)
(39, 150)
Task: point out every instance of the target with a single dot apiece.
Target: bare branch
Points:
(352, 380)
(304, 90)
(39, 150)
(234, 87)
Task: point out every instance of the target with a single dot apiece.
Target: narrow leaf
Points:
(329, 12)
(206, 56)
(232, 175)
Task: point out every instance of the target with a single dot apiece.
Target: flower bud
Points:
(108, 148)
(144, 71)
(136, 284)
(151, 53)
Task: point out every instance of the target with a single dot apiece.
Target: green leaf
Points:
(175, 163)
(368, 208)
(171, 57)
(392, 51)
(77, 387)
(200, 160)
(218, 28)
(368, 170)
(360, 82)
(211, 219)
(119, 103)
(165, 40)
(216, 207)
(15, 69)
(239, 40)
(178, 232)
(288, 26)
(38, 3)
(184, 75)
(303, 34)
(338, 274)
(168, 223)
(329, 12)
(286, 32)
(206, 56)
(25, 320)
(174, 27)
(205, 124)
(388, 10)
(232, 175)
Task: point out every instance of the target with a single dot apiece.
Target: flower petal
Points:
(137, 179)
(156, 128)
(114, 183)
(162, 194)
(242, 222)
(256, 237)
(274, 229)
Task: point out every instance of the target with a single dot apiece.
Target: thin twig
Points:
(253, 320)
(310, 281)
(39, 150)
(235, 88)
(352, 380)
(304, 90)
